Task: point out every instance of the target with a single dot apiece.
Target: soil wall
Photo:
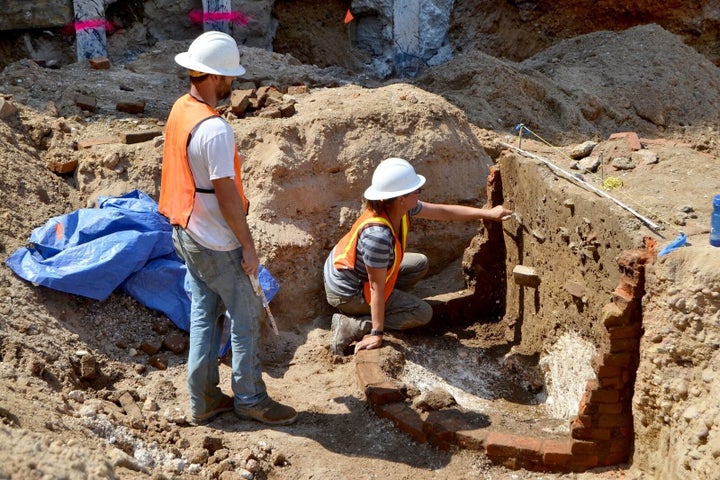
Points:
(571, 238)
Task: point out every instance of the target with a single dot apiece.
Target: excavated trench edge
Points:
(601, 434)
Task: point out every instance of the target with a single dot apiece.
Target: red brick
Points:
(584, 448)
(472, 439)
(369, 374)
(611, 382)
(615, 458)
(630, 331)
(404, 418)
(63, 166)
(590, 433)
(382, 393)
(580, 463)
(556, 452)
(139, 137)
(611, 421)
(608, 371)
(620, 445)
(613, 316)
(610, 408)
(625, 345)
(99, 63)
(508, 445)
(297, 89)
(441, 427)
(368, 356)
(632, 139)
(604, 396)
(619, 360)
(83, 144)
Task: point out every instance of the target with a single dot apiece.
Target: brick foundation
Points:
(600, 435)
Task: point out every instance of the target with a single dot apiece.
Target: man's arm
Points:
(233, 212)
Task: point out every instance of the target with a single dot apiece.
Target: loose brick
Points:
(99, 63)
(85, 102)
(297, 89)
(369, 374)
(139, 137)
(63, 167)
(7, 109)
(83, 144)
(134, 106)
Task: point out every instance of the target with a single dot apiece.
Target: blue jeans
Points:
(402, 310)
(218, 283)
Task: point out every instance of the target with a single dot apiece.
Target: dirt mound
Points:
(305, 175)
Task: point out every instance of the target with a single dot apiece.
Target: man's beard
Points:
(224, 90)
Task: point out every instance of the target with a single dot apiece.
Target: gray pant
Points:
(402, 310)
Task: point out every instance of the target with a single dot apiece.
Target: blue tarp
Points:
(124, 243)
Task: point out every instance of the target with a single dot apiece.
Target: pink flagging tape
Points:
(90, 24)
(197, 16)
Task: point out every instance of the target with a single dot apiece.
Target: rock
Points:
(435, 399)
(583, 150)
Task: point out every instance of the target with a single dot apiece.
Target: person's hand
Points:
(369, 342)
(250, 263)
(499, 213)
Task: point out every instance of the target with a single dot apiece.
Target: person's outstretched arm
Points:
(464, 213)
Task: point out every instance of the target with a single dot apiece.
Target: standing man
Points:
(201, 193)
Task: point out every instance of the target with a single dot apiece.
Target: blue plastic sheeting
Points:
(679, 241)
(124, 243)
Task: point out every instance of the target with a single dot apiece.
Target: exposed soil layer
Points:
(60, 418)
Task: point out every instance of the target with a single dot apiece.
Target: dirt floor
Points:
(56, 422)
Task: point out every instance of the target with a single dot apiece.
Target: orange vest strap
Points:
(346, 249)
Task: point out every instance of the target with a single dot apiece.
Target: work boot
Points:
(224, 404)
(345, 330)
(268, 412)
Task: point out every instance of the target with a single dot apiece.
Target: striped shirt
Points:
(374, 250)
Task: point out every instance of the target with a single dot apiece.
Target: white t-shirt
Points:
(211, 152)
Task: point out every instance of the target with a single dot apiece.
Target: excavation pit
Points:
(545, 381)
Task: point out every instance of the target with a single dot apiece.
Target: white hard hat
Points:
(212, 52)
(392, 178)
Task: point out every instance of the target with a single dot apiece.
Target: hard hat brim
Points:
(183, 59)
(372, 193)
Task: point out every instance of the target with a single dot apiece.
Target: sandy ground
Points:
(56, 424)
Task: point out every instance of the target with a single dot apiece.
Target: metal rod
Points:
(261, 293)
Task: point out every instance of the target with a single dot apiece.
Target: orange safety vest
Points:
(177, 186)
(346, 249)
